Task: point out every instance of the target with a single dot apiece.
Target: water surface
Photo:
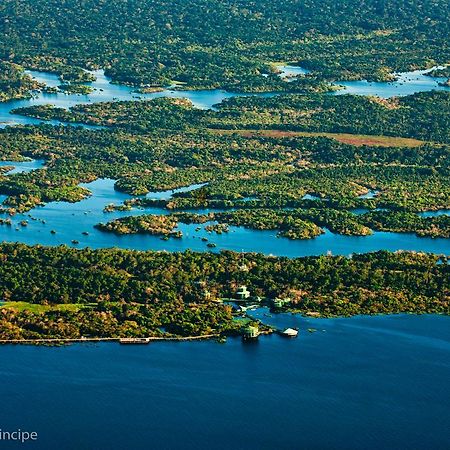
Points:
(359, 383)
(407, 83)
(71, 221)
(105, 91)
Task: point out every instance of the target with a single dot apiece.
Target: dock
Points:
(122, 340)
(134, 341)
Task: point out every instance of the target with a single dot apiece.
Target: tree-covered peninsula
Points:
(15, 83)
(66, 293)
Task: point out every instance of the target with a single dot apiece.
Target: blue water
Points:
(288, 72)
(23, 166)
(104, 91)
(407, 83)
(439, 212)
(365, 382)
(358, 383)
(71, 220)
(371, 194)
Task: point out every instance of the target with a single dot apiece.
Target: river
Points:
(71, 221)
(357, 383)
(105, 91)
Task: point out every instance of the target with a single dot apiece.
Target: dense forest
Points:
(128, 293)
(424, 115)
(299, 163)
(14, 83)
(230, 44)
(166, 143)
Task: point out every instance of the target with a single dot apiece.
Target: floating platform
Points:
(289, 332)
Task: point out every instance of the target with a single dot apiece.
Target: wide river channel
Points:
(356, 383)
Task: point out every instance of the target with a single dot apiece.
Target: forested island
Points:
(66, 293)
(287, 151)
(293, 223)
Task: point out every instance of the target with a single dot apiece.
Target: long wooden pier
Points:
(105, 339)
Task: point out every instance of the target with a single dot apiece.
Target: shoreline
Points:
(272, 330)
(105, 339)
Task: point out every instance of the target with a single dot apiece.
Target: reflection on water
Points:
(71, 221)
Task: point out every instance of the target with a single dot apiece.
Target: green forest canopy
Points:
(207, 43)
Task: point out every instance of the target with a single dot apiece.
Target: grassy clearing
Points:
(346, 138)
(36, 308)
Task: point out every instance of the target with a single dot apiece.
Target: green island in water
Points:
(297, 156)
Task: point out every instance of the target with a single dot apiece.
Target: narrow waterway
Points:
(353, 383)
(62, 222)
(105, 91)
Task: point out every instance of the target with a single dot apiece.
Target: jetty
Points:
(121, 340)
(134, 341)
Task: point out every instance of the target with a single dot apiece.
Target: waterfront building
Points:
(242, 293)
(251, 332)
(281, 302)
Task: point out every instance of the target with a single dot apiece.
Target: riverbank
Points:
(60, 293)
(105, 91)
(76, 221)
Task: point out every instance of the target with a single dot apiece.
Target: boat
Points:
(134, 340)
(289, 332)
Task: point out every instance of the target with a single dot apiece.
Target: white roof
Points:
(290, 331)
